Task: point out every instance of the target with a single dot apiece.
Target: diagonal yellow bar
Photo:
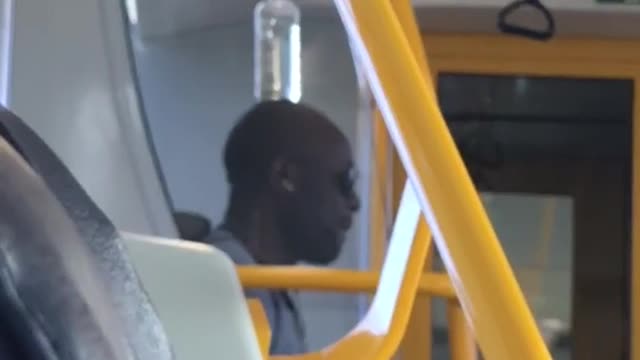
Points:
(478, 268)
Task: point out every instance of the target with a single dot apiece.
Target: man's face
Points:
(320, 210)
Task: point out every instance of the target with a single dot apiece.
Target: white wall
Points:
(196, 85)
(164, 17)
(71, 81)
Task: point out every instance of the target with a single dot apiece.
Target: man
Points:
(292, 199)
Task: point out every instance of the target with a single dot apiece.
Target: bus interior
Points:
(483, 234)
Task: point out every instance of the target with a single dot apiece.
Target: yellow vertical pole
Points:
(635, 229)
(417, 342)
(379, 187)
(478, 267)
(261, 325)
(461, 341)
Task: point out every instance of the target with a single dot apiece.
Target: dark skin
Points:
(304, 209)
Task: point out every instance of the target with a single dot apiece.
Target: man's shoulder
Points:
(230, 245)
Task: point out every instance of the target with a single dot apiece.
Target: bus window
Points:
(552, 159)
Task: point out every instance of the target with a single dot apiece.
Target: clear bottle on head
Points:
(277, 73)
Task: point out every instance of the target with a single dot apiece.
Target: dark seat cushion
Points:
(141, 326)
(192, 226)
(53, 295)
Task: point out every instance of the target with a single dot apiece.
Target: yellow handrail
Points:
(480, 272)
(319, 279)
(461, 342)
(260, 325)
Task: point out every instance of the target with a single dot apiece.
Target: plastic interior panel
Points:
(198, 296)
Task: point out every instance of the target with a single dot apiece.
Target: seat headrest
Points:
(53, 296)
(192, 226)
(142, 326)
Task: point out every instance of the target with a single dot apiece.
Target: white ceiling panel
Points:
(578, 17)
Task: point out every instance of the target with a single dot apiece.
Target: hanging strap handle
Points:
(513, 29)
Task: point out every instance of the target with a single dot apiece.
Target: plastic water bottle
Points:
(277, 51)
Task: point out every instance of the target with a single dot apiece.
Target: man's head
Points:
(293, 160)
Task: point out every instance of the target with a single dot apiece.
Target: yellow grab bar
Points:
(479, 270)
(260, 325)
(319, 279)
(461, 343)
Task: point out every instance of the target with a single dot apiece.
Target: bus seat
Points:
(192, 226)
(198, 296)
(142, 326)
(54, 300)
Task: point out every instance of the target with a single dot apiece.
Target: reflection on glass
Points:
(536, 233)
(524, 136)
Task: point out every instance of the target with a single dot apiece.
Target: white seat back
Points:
(197, 294)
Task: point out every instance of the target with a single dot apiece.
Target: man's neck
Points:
(255, 228)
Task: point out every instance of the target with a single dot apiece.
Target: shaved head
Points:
(274, 130)
(291, 159)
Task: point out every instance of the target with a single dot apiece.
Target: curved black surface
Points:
(141, 326)
(54, 298)
(192, 226)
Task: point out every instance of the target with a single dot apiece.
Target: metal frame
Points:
(562, 57)
(493, 302)
(7, 9)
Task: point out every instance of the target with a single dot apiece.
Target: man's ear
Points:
(283, 176)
